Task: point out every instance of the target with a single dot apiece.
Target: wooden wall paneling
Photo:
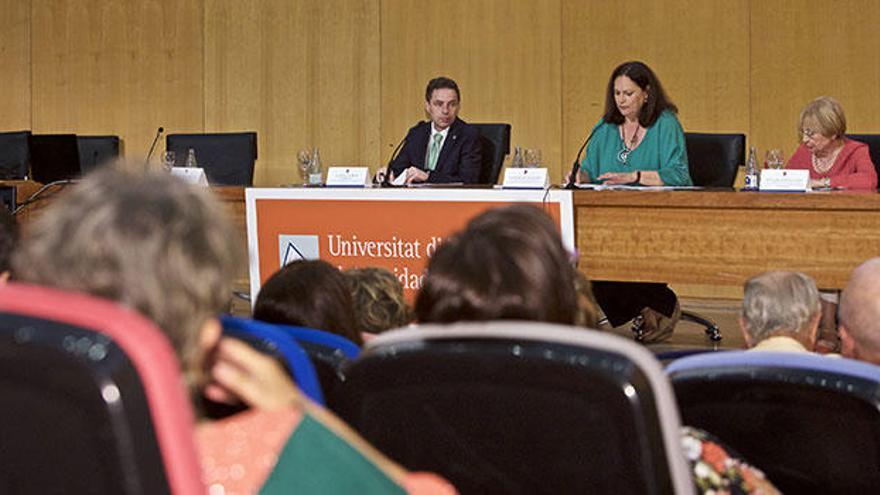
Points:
(504, 54)
(301, 74)
(15, 65)
(802, 49)
(122, 67)
(699, 50)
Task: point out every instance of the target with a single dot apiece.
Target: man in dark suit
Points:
(445, 149)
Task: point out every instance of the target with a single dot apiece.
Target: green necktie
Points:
(434, 151)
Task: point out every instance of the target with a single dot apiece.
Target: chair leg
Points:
(712, 330)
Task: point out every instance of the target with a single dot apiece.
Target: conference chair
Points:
(713, 159)
(495, 142)
(810, 422)
(873, 142)
(95, 151)
(227, 158)
(15, 155)
(93, 399)
(519, 407)
(316, 359)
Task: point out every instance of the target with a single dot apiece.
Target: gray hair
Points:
(777, 302)
(145, 240)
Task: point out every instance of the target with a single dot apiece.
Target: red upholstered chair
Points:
(93, 400)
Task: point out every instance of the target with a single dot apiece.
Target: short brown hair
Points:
(309, 293)
(507, 264)
(146, 240)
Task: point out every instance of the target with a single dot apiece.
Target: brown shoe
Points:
(657, 327)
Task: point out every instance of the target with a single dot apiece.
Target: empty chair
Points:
(517, 407)
(93, 400)
(95, 151)
(15, 156)
(495, 141)
(810, 422)
(228, 158)
(713, 159)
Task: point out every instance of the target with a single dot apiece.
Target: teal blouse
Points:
(662, 149)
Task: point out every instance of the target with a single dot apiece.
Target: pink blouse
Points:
(852, 169)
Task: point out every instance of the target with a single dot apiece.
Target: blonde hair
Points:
(378, 299)
(145, 240)
(828, 114)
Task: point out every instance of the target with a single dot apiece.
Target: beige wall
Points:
(348, 75)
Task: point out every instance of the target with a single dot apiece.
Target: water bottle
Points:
(517, 161)
(752, 171)
(315, 170)
(191, 158)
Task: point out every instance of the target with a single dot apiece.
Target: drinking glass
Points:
(168, 160)
(774, 159)
(532, 158)
(304, 161)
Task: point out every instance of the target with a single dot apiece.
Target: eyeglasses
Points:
(809, 133)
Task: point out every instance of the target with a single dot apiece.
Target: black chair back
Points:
(15, 155)
(82, 413)
(512, 407)
(54, 157)
(228, 158)
(495, 142)
(873, 142)
(95, 151)
(713, 159)
(811, 423)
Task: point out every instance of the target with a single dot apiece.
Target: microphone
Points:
(159, 132)
(576, 164)
(386, 180)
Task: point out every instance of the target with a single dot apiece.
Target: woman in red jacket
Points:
(834, 161)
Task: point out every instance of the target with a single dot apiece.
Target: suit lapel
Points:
(424, 135)
(449, 144)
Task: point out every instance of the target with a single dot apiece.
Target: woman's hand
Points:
(242, 373)
(614, 178)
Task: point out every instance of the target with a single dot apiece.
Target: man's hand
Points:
(414, 175)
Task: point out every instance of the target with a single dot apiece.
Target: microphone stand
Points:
(576, 164)
(159, 132)
(386, 179)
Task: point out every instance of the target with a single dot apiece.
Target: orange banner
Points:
(367, 228)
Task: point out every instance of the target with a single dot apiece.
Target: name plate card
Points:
(526, 178)
(190, 175)
(348, 177)
(784, 180)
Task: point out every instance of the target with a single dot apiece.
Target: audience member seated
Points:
(164, 249)
(509, 264)
(379, 303)
(309, 293)
(860, 313)
(780, 312)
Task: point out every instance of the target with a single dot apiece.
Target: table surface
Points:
(724, 237)
(703, 237)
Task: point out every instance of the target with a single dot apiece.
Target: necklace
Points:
(823, 165)
(623, 154)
